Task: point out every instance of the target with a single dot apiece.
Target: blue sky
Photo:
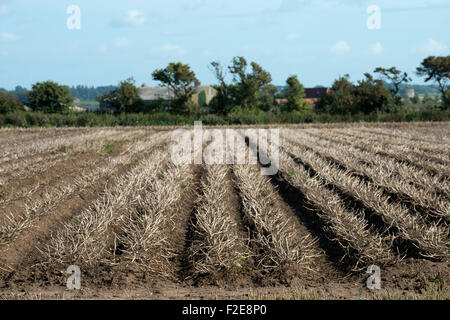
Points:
(317, 40)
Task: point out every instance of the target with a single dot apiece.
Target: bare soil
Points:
(24, 276)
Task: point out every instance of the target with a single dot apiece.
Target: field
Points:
(111, 201)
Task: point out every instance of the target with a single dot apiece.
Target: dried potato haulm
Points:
(430, 239)
(426, 191)
(273, 234)
(217, 249)
(349, 228)
(139, 225)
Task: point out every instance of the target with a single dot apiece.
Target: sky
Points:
(115, 39)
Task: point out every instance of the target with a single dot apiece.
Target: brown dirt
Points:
(25, 136)
(232, 278)
(51, 179)
(35, 185)
(40, 157)
(410, 278)
(22, 254)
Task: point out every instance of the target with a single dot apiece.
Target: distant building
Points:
(279, 102)
(312, 95)
(149, 94)
(407, 93)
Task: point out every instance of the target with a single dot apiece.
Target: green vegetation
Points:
(397, 78)
(295, 93)
(238, 116)
(90, 94)
(436, 291)
(8, 103)
(92, 103)
(250, 87)
(248, 98)
(63, 149)
(367, 96)
(50, 97)
(221, 103)
(267, 97)
(124, 99)
(20, 93)
(202, 99)
(108, 148)
(248, 83)
(112, 146)
(182, 81)
(438, 70)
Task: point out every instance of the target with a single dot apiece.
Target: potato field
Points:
(112, 202)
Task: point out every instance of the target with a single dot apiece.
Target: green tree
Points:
(50, 97)
(396, 77)
(267, 96)
(124, 99)
(183, 83)
(295, 93)
(21, 94)
(202, 98)
(222, 102)
(371, 96)
(416, 99)
(438, 70)
(447, 96)
(427, 99)
(340, 99)
(248, 82)
(128, 96)
(7, 102)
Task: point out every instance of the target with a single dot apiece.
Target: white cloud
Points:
(397, 5)
(4, 10)
(377, 48)
(109, 46)
(292, 36)
(292, 5)
(8, 37)
(433, 46)
(289, 6)
(172, 49)
(193, 4)
(133, 18)
(409, 5)
(103, 48)
(340, 48)
(122, 42)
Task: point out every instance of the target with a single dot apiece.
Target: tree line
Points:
(245, 86)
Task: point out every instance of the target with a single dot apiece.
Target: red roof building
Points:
(312, 95)
(279, 102)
